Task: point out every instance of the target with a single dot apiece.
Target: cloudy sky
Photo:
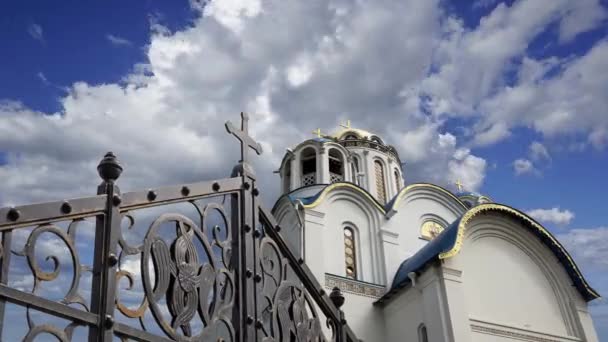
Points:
(510, 98)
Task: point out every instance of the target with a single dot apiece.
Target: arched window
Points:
(376, 140)
(350, 253)
(355, 170)
(422, 334)
(309, 166)
(336, 166)
(380, 182)
(287, 176)
(397, 180)
(351, 137)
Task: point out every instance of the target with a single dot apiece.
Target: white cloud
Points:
(36, 32)
(538, 151)
(494, 133)
(232, 13)
(581, 15)
(473, 67)
(397, 68)
(588, 249)
(299, 73)
(164, 120)
(588, 246)
(553, 215)
(118, 41)
(434, 157)
(537, 154)
(522, 166)
(42, 78)
(569, 102)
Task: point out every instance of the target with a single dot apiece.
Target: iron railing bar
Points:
(121, 329)
(47, 306)
(302, 271)
(178, 193)
(32, 214)
(4, 270)
(173, 201)
(51, 220)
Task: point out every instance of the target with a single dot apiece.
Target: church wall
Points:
(412, 211)
(425, 303)
(342, 211)
(586, 323)
(363, 317)
(515, 285)
(403, 315)
(324, 247)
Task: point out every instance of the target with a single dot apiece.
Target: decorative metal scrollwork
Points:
(36, 330)
(189, 273)
(29, 251)
(287, 312)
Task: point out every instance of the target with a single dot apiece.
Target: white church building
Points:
(417, 262)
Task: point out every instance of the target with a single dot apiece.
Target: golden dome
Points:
(355, 133)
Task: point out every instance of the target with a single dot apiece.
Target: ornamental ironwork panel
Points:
(192, 262)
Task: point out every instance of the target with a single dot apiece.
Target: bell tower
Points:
(350, 155)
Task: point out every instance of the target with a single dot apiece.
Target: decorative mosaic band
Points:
(354, 286)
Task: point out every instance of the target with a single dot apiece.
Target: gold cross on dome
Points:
(459, 185)
(317, 132)
(347, 126)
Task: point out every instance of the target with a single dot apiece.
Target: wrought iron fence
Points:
(209, 264)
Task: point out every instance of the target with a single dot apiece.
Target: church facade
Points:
(417, 262)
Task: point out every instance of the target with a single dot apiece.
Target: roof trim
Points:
(315, 200)
(544, 235)
(320, 196)
(449, 243)
(395, 201)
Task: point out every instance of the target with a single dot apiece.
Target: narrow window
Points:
(309, 166)
(355, 170)
(287, 177)
(422, 334)
(397, 180)
(380, 183)
(336, 166)
(350, 253)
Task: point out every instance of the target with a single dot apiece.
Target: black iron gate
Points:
(209, 264)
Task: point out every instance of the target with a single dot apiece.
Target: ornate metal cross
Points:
(243, 136)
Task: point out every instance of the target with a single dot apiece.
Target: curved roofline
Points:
(561, 253)
(397, 198)
(321, 195)
(361, 133)
(449, 243)
(316, 199)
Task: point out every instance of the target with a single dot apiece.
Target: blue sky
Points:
(508, 97)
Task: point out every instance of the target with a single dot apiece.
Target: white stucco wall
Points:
(415, 207)
(403, 315)
(366, 320)
(514, 286)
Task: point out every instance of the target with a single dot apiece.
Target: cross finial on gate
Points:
(243, 136)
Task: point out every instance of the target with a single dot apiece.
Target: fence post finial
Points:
(109, 168)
